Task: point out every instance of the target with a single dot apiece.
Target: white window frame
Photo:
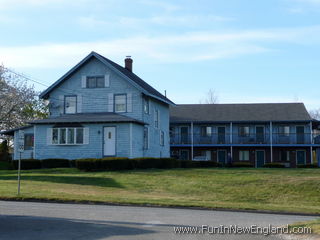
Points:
(145, 138)
(96, 81)
(146, 106)
(156, 118)
(241, 156)
(67, 140)
(125, 103)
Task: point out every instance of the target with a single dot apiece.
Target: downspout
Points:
(271, 142)
(191, 141)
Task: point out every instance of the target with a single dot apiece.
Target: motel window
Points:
(95, 82)
(244, 131)
(28, 141)
(284, 131)
(120, 103)
(206, 131)
(285, 156)
(67, 136)
(243, 155)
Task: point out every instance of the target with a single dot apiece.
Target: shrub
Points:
(242, 164)
(307, 166)
(55, 163)
(27, 164)
(145, 163)
(88, 164)
(198, 164)
(5, 166)
(116, 164)
(274, 165)
(4, 151)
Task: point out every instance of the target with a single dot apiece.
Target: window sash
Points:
(146, 105)
(28, 141)
(206, 131)
(244, 131)
(95, 82)
(284, 131)
(67, 136)
(243, 155)
(120, 103)
(70, 104)
(285, 156)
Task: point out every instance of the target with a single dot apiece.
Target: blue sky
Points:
(245, 50)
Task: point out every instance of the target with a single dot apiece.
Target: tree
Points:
(315, 113)
(211, 97)
(18, 101)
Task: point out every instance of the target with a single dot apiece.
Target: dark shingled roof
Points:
(257, 112)
(10, 132)
(150, 91)
(88, 118)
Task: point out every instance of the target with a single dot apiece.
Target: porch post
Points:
(192, 141)
(271, 142)
(231, 140)
(311, 142)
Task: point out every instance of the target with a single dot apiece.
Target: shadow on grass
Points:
(90, 181)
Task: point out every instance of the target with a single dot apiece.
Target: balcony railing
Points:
(293, 138)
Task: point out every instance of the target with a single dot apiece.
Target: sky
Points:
(244, 50)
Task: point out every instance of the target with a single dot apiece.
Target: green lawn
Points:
(288, 190)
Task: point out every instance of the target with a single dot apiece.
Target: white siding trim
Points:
(129, 102)
(83, 81)
(86, 135)
(49, 136)
(79, 103)
(110, 102)
(107, 80)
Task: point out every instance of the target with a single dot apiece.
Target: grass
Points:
(314, 225)
(286, 190)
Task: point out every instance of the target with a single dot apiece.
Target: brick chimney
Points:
(128, 63)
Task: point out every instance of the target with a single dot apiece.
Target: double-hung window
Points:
(120, 103)
(284, 131)
(156, 118)
(70, 104)
(244, 131)
(95, 82)
(67, 136)
(285, 156)
(243, 155)
(146, 105)
(28, 141)
(206, 131)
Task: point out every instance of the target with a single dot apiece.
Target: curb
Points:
(39, 200)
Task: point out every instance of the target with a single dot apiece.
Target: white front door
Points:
(109, 141)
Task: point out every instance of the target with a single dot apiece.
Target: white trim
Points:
(256, 159)
(107, 80)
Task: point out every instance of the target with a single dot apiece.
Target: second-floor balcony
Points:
(217, 139)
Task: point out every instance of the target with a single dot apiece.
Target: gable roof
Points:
(256, 112)
(130, 76)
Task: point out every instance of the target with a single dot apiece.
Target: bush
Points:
(198, 164)
(55, 163)
(242, 164)
(274, 165)
(5, 166)
(4, 151)
(113, 164)
(307, 166)
(27, 164)
(88, 164)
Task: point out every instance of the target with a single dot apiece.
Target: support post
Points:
(19, 173)
(192, 141)
(311, 142)
(271, 142)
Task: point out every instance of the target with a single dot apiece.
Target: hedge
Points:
(55, 163)
(27, 164)
(274, 165)
(307, 166)
(241, 164)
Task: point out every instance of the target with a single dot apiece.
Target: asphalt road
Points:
(30, 220)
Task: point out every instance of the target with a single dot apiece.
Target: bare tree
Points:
(315, 113)
(211, 97)
(18, 101)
